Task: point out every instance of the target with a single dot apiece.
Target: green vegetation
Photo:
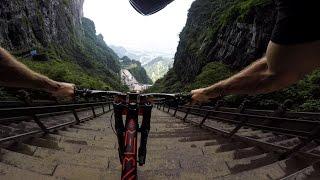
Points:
(239, 10)
(210, 74)
(86, 61)
(140, 74)
(66, 3)
(158, 67)
(305, 95)
(67, 71)
(168, 83)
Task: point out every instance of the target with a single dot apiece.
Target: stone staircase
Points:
(176, 150)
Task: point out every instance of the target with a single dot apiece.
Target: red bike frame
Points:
(132, 105)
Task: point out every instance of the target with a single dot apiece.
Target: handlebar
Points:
(95, 93)
(178, 97)
(88, 93)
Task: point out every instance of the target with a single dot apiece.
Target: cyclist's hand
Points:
(200, 96)
(65, 91)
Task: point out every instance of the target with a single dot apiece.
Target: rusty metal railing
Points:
(302, 125)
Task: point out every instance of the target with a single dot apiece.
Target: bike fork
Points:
(120, 130)
(144, 130)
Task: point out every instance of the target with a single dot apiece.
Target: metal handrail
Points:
(13, 112)
(17, 111)
(310, 128)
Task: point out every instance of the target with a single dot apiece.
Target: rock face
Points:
(235, 32)
(60, 33)
(28, 23)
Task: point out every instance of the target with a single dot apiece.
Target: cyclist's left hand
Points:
(65, 91)
(200, 96)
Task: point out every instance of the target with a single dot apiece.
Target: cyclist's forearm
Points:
(255, 79)
(15, 74)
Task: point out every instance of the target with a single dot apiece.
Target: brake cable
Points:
(110, 119)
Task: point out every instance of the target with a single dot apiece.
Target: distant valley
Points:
(156, 64)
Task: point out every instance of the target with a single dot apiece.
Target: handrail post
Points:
(187, 113)
(40, 124)
(313, 135)
(25, 96)
(103, 109)
(93, 112)
(280, 111)
(175, 111)
(76, 116)
(241, 123)
(216, 107)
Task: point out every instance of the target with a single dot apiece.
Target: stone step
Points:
(276, 170)
(76, 135)
(14, 173)
(224, 147)
(151, 164)
(177, 134)
(309, 173)
(85, 173)
(258, 135)
(289, 142)
(249, 163)
(27, 162)
(98, 131)
(200, 137)
(234, 155)
(275, 138)
(70, 147)
(84, 159)
(89, 137)
(106, 142)
(186, 129)
(90, 128)
(7, 131)
(160, 125)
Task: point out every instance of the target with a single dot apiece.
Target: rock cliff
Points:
(222, 37)
(29, 23)
(235, 32)
(58, 31)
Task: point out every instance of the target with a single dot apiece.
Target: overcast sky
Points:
(121, 25)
